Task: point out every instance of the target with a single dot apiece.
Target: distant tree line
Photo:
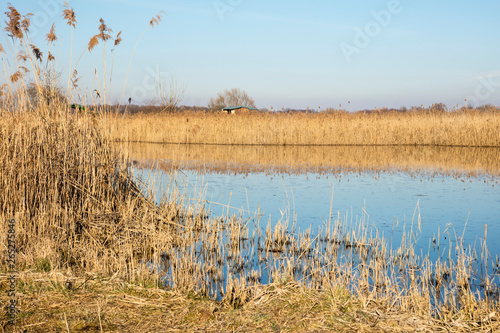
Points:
(133, 109)
(233, 97)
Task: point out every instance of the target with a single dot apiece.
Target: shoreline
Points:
(93, 303)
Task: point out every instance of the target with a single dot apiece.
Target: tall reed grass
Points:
(79, 211)
(455, 128)
(76, 205)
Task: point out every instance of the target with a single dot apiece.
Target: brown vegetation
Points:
(75, 203)
(464, 128)
(81, 220)
(98, 304)
(96, 251)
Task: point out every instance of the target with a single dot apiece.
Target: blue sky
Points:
(389, 53)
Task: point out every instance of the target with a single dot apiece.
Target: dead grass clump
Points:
(74, 200)
(56, 302)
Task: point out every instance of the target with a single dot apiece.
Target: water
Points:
(439, 200)
(390, 199)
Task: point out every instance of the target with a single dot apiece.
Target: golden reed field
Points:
(464, 128)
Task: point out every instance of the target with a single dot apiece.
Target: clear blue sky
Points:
(289, 53)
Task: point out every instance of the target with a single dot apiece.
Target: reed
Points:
(86, 217)
(75, 202)
(461, 127)
(85, 225)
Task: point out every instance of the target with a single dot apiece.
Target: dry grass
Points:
(95, 253)
(56, 302)
(467, 128)
(81, 218)
(68, 189)
(74, 200)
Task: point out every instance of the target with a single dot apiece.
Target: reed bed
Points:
(112, 305)
(75, 203)
(463, 128)
(82, 217)
(341, 257)
(85, 225)
(79, 212)
(463, 162)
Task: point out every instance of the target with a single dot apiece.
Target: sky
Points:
(285, 54)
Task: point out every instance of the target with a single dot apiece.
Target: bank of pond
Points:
(413, 224)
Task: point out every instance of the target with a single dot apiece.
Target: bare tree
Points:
(233, 97)
(440, 107)
(168, 94)
(47, 91)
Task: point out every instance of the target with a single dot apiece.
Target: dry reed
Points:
(464, 128)
(83, 220)
(76, 205)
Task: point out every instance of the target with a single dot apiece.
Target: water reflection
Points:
(323, 160)
(436, 194)
(448, 185)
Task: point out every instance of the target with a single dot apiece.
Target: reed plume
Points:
(22, 56)
(94, 40)
(36, 52)
(51, 36)
(14, 28)
(14, 78)
(69, 15)
(26, 22)
(156, 20)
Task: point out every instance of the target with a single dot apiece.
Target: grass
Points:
(461, 127)
(65, 184)
(96, 253)
(86, 220)
(98, 304)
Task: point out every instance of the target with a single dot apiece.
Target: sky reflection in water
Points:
(390, 198)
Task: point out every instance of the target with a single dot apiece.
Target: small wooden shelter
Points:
(238, 109)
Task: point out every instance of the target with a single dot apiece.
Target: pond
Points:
(439, 193)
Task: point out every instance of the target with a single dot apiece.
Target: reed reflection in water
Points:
(451, 186)
(386, 190)
(454, 161)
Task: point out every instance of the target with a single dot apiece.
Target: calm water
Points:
(389, 197)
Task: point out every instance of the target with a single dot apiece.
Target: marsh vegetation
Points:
(424, 127)
(88, 232)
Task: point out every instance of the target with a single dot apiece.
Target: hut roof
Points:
(238, 107)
